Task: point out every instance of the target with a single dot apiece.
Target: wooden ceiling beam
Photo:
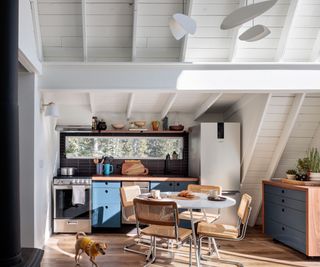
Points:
(206, 105)
(84, 31)
(184, 46)
(130, 106)
(168, 105)
(36, 24)
(235, 38)
(286, 30)
(134, 30)
(315, 54)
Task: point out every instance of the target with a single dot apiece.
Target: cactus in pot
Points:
(314, 163)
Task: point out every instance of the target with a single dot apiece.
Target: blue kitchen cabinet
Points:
(285, 216)
(170, 186)
(106, 207)
(162, 186)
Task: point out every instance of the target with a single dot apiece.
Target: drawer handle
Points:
(282, 210)
(178, 184)
(106, 191)
(106, 207)
(282, 191)
(282, 200)
(106, 183)
(170, 184)
(283, 228)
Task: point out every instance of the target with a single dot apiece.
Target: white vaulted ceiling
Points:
(137, 30)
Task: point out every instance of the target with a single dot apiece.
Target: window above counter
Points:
(123, 147)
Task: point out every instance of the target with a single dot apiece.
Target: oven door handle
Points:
(61, 187)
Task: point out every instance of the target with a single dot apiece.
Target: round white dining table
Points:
(199, 202)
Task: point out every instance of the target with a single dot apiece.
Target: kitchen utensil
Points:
(71, 171)
(64, 171)
(108, 169)
(99, 169)
(176, 127)
(155, 125)
(140, 124)
(117, 126)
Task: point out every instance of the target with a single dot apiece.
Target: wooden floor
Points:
(255, 250)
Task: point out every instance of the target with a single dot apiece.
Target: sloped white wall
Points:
(305, 134)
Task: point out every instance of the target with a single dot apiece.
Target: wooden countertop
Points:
(288, 186)
(144, 178)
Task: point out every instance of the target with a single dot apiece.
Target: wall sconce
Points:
(51, 110)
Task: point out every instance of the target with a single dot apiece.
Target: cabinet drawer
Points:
(106, 184)
(285, 201)
(162, 186)
(286, 235)
(179, 186)
(105, 195)
(287, 216)
(107, 216)
(294, 194)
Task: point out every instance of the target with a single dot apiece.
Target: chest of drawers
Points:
(291, 215)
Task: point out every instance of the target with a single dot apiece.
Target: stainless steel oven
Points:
(69, 218)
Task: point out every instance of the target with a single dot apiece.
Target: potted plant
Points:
(291, 174)
(303, 167)
(314, 163)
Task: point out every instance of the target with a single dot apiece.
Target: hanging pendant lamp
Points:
(246, 13)
(255, 33)
(181, 24)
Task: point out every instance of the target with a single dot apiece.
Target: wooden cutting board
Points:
(303, 183)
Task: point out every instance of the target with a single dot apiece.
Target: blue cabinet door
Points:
(106, 216)
(179, 186)
(162, 186)
(106, 208)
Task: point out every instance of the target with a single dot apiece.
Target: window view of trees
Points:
(123, 147)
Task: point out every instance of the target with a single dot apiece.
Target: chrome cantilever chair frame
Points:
(151, 256)
(215, 247)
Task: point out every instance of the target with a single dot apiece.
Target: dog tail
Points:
(80, 233)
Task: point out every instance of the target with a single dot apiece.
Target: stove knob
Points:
(82, 181)
(73, 181)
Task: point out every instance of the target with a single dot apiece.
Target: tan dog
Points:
(91, 248)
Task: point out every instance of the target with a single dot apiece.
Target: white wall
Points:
(27, 43)
(46, 151)
(39, 154)
(249, 115)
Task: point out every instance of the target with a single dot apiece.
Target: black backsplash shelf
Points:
(86, 167)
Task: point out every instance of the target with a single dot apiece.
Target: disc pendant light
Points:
(255, 33)
(246, 13)
(181, 24)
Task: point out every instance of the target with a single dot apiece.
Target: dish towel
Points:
(78, 195)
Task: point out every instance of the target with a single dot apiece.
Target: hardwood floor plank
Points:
(256, 250)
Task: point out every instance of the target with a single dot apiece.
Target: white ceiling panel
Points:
(109, 27)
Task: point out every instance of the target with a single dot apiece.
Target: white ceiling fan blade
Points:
(255, 33)
(244, 14)
(177, 31)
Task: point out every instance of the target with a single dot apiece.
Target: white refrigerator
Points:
(214, 157)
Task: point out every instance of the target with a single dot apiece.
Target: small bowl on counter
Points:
(140, 124)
